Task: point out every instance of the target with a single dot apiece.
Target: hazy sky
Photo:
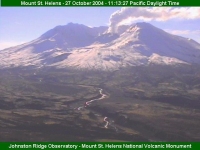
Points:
(19, 24)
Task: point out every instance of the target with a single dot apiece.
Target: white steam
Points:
(130, 15)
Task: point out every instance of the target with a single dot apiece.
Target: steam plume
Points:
(130, 15)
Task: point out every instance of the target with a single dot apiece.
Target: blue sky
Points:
(19, 24)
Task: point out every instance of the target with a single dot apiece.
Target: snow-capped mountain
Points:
(79, 46)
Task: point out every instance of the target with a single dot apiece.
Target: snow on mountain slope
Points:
(72, 35)
(79, 46)
(148, 40)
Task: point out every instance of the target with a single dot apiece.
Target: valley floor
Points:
(44, 106)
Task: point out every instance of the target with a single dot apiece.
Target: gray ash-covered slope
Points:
(82, 47)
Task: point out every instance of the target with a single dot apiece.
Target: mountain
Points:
(82, 47)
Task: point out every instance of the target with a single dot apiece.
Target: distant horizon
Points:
(30, 23)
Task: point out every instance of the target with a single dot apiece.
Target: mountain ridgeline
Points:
(95, 48)
(80, 83)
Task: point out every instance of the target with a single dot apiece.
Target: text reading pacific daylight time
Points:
(100, 3)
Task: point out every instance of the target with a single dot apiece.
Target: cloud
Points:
(129, 15)
(194, 34)
(183, 32)
(4, 45)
